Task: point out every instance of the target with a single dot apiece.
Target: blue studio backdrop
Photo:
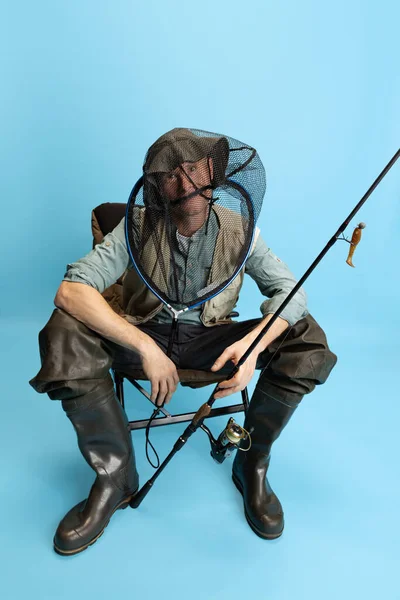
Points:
(86, 88)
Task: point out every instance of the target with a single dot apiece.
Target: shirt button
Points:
(108, 243)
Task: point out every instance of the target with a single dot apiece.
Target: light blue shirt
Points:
(108, 261)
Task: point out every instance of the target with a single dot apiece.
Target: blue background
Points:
(315, 87)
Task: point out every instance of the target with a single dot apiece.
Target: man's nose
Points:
(185, 185)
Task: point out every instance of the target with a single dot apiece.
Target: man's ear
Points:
(211, 167)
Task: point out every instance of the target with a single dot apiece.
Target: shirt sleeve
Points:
(105, 264)
(275, 281)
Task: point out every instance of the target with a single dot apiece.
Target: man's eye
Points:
(171, 177)
(192, 169)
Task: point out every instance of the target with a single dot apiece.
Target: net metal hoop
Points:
(129, 210)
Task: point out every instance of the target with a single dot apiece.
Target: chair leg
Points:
(119, 388)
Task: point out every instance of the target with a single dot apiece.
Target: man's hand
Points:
(88, 306)
(236, 351)
(161, 372)
(245, 373)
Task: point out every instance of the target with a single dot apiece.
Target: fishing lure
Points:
(355, 239)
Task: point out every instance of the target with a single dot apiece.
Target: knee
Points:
(61, 324)
(73, 357)
(315, 359)
(304, 360)
(315, 368)
(66, 336)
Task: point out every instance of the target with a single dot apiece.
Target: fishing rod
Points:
(205, 409)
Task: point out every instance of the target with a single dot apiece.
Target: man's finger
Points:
(224, 385)
(171, 390)
(221, 360)
(162, 392)
(154, 390)
(228, 383)
(227, 392)
(169, 395)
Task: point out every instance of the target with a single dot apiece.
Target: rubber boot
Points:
(267, 416)
(105, 442)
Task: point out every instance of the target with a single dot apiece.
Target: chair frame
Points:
(167, 418)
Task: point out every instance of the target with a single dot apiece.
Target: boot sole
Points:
(122, 505)
(261, 534)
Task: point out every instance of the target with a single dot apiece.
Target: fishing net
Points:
(190, 220)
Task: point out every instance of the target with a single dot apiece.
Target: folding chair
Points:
(105, 218)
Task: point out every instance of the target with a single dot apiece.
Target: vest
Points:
(140, 304)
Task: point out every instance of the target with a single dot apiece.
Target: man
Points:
(84, 337)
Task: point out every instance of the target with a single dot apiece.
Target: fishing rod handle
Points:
(144, 490)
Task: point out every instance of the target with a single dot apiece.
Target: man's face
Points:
(183, 181)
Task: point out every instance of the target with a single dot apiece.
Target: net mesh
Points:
(191, 217)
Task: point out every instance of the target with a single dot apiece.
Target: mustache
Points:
(197, 192)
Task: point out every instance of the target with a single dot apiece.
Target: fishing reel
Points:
(227, 441)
